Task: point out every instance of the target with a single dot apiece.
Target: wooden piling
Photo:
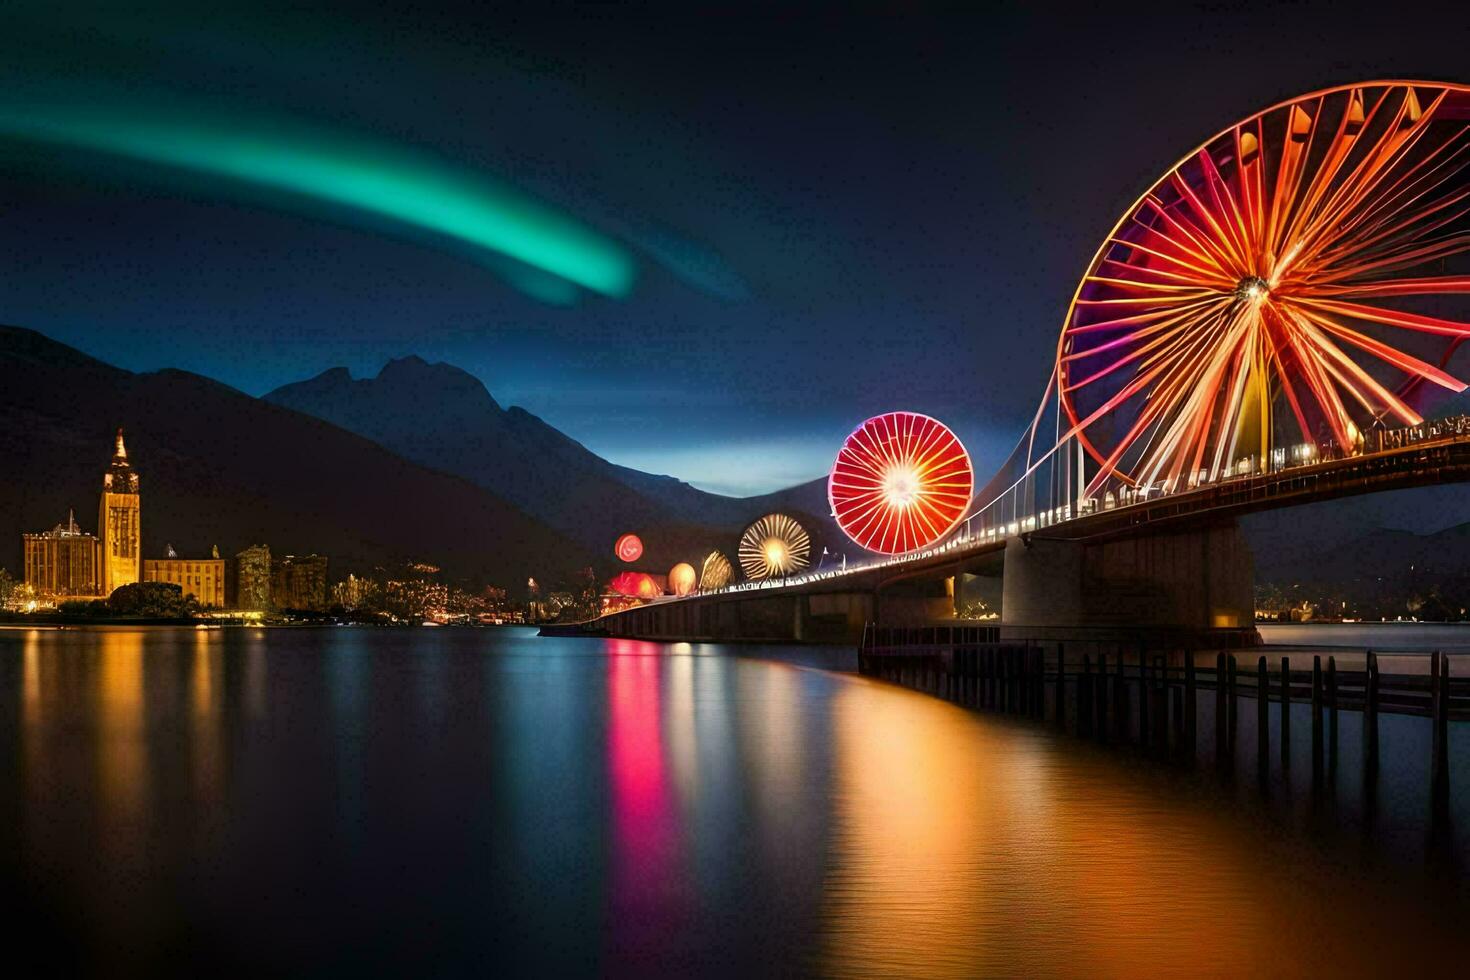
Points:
(1161, 704)
(1370, 716)
(1102, 697)
(1231, 703)
(1084, 697)
(1062, 688)
(1220, 709)
(1331, 718)
(1190, 703)
(1285, 713)
(1440, 765)
(1145, 686)
(1122, 715)
(1316, 719)
(1263, 718)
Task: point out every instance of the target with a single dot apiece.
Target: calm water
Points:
(454, 801)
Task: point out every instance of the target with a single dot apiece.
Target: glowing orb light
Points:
(717, 572)
(682, 579)
(629, 547)
(901, 482)
(774, 546)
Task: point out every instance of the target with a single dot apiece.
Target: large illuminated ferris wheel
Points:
(1298, 279)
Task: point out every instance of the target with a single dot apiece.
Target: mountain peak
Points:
(413, 371)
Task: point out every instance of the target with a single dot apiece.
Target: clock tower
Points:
(118, 523)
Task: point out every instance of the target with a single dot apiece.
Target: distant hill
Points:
(442, 416)
(221, 467)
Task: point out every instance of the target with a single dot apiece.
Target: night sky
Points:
(765, 225)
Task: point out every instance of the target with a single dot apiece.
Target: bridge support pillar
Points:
(1169, 589)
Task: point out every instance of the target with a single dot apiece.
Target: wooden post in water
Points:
(1440, 766)
(1176, 711)
(1145, 692)
(1286, 716)
(1190, 704)
(1332, 719)
(1102, 696)
(1121, 713)
(1370, 716)
(1084, 697)
(1220, 709)
(1232, 705)
(1061, 711)
(1316, 719)
(1161, 704)
(1263, 717)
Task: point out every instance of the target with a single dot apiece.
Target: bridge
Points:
(1169, 564)
(1269, 325)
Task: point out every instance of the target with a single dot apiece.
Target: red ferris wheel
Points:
(1296, 280)
(901, 482)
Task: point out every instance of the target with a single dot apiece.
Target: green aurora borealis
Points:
(373, 178)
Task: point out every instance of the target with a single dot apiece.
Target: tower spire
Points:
(120, 452)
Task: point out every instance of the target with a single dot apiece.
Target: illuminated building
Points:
(63, 561)
(249, 587)
(299, 582)
(203, 578)
(901, 482)
(119, 528)
(774, 546)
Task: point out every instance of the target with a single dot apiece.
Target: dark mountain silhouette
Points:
(422, 463)
(221, 467)
(442, 416)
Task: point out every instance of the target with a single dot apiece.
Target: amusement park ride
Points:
(1286, 300)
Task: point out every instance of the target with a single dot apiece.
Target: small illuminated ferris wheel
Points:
(774, 546)
(901, 482)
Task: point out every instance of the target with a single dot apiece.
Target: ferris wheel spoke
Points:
(1204, 247)
(1392, 240)
(1384, 352)
(1398, 199)
(1391, 318)
(1426, 286)
(1160, 346)
(1125, 272)
(1395, 141)
(1206, 275)
(1140, 319)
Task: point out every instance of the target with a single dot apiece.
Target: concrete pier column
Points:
(1172, 588)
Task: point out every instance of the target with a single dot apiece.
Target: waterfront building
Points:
(249, 587)
(299, 582)
(62, 562)
(203, 578)
(119, 527)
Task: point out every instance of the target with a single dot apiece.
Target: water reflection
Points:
(969, 845)
(457, 801)
(645, 900)
(122, 747)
